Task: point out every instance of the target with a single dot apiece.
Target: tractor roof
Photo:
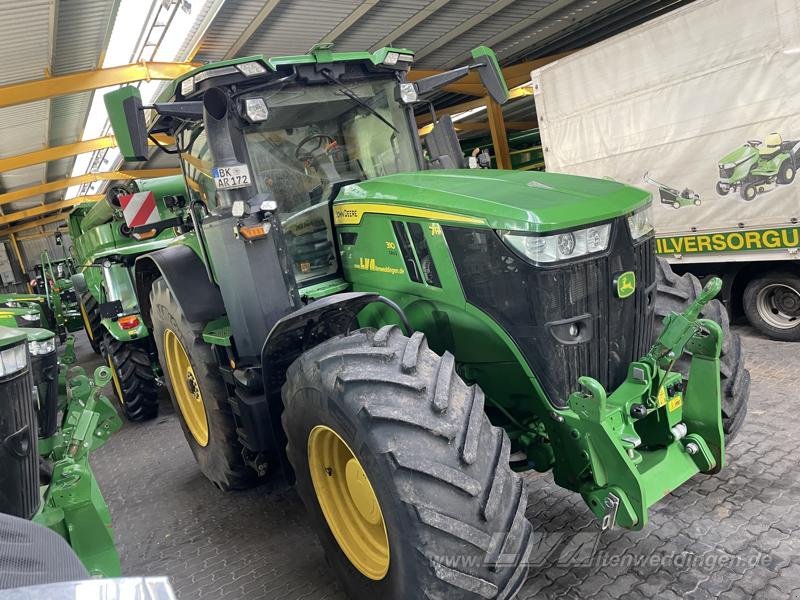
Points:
(321, 54)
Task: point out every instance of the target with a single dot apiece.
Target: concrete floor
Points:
(734, 535)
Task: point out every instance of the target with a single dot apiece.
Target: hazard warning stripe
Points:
(139, 209)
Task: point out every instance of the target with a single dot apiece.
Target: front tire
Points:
(198, 393)
(786, 172)
(674, 294)
(772, 305)
(132, 376)
(748, 192)
(723, 188)
(439, 471)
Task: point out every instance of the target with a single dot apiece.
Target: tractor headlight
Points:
(13, 360)
(187, 86)
(42, 347)
(408, 93)
(256, 110)
(249, 69)
(641, 222)
(560, 246)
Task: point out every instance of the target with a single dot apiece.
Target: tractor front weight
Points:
(626, 450)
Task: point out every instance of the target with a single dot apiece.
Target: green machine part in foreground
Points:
(508, 322)
(105, 248)
(49, 479)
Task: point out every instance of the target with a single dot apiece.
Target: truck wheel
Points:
(132, 377)
(697, 202)
(675, 293)
(772, 305)
(748, 192)
(676, 204)
(198, 393)
(90, 313)
(722, 189)
(406, 481)
(786, 172)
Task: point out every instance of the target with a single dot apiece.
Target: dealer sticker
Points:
(229, 178)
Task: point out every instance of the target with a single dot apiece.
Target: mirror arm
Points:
(435, 82)
(191, 110)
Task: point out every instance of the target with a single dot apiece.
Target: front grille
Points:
(530, 301)
(726, 173)
(19, 462)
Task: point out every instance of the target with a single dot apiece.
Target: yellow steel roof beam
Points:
(60, 184)
(44, 155)
(84, 81)
(47, 208)
(32, 224)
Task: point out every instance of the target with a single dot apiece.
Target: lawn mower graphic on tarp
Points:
(758, 166)
(673, 196)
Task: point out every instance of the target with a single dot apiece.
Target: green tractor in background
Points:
(396, 335)
(52, 417)
(105, 249)
(52, 280)
(758, 166)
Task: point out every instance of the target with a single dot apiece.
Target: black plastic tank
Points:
(19, 466)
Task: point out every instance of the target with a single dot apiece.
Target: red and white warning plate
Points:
(139, 209)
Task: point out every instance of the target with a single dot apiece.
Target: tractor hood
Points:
(734, 157)
(512, 200)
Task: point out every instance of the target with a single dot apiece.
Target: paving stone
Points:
(733, 535)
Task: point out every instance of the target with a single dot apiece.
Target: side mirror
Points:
(79, 283)
(443, 146)
(124, 107)
(490, 73)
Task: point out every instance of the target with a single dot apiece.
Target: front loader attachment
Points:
(626, 450)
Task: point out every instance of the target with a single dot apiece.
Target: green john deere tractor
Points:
(105, 248)
(396, 336)
(52, 287)
(759, 166)
(51, 418)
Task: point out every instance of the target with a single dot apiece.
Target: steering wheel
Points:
(320, 137)
(754, 143)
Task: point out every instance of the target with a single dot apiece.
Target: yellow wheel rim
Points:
(115, 379)
(86, 321)
(348, 502)
(185, 387)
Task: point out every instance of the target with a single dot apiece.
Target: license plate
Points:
(228, 178)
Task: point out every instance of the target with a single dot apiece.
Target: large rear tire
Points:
(382, 410)
(198, 393)
(674, 294)
(132, 376)
(90, 313)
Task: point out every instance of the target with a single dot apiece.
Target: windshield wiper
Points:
(352, 95)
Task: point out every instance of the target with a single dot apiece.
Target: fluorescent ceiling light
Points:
(133, 18)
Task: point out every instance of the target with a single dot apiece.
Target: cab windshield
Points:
(315, 140)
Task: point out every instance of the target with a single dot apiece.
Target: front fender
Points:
(186, 276)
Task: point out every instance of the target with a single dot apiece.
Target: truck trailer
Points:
(711, 126)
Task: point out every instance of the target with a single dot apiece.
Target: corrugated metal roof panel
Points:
(232, 19)
(458, 48)
(22, 128)
(24, 49)
(82, 29)
(293, 27)
(379, 22)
